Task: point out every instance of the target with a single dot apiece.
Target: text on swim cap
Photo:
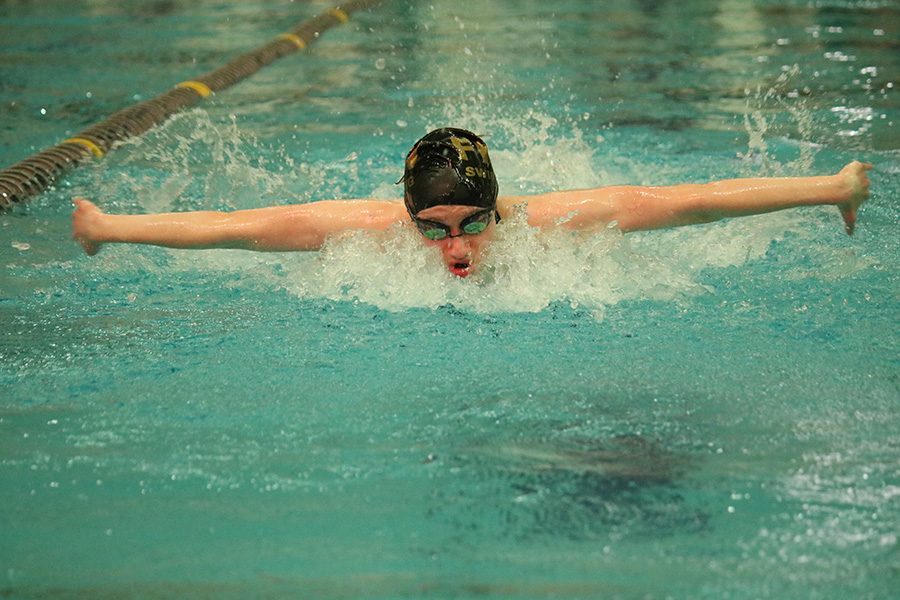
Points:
(463, 146)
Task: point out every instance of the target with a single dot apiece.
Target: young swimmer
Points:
(450, 195)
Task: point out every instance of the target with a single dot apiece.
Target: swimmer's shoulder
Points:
(393, 210)
(507, 205)
(347, 213)
(378, 213)
(535, 205)
(547, 208)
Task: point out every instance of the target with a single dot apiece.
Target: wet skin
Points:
(461, 254)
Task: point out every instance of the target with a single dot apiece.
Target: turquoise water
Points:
(699, 413)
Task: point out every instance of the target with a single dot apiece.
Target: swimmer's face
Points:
(461, 253)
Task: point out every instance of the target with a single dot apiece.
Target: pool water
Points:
(708, 412)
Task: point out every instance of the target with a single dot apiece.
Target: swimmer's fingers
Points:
(84, 204)
(856, 175)
(849, 216)
(857, 172)
(84, 221)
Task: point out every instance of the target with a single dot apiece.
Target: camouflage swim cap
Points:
(449, 166)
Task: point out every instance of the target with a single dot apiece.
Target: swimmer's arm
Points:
(635, 208)
(273, 229)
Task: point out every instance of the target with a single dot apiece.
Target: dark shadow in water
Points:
(624, 487)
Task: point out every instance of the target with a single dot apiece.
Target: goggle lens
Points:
(475, 228)
(472, 225)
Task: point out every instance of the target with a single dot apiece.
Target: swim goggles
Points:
(472, 225)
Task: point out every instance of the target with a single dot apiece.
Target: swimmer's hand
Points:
(85, 225)
(855, 177)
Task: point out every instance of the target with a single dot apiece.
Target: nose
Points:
(457, 247)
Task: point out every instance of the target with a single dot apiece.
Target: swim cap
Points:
(449, 166)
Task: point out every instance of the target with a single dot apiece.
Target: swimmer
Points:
(451, 197)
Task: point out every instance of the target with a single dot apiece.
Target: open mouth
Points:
(460, 269)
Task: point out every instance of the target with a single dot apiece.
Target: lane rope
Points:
(294, 39)
(36, 173)
(94, 148)
(340, 14)
(200, 88)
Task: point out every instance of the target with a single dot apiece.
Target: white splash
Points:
(760, 126)
(526, 269)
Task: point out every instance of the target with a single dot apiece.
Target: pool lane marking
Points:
(86, 143)
(340, 15)
(294, 39)
(201, 88)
